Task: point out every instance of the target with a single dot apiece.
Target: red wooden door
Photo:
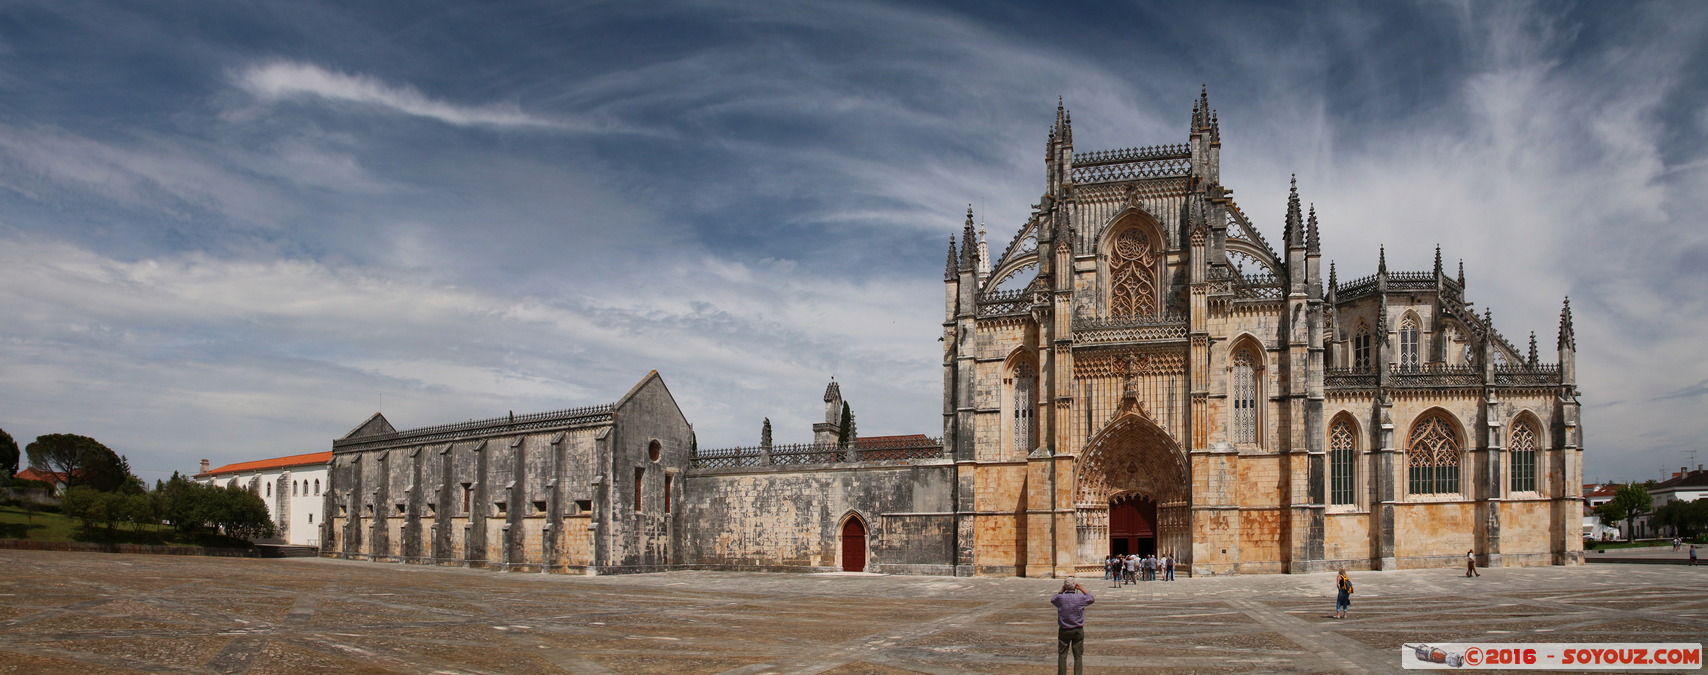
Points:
(854, 546)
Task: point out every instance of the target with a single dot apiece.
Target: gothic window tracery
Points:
(1342, 444)
(1132, 266)
(1244, 396)
(1361, 347)
(1025, 384)
(1433, 455)
(1408, 343)
(1522, 451)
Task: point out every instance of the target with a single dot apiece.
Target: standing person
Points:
(1168, 567)
(1070, 625)
(1128, 566)
(1471, 564)
(1342, 595)
(1693, 554)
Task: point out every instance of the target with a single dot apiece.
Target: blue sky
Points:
(230, 230)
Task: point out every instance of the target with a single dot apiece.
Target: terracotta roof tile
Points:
(275, 463)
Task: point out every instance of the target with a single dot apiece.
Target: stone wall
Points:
(792, 517)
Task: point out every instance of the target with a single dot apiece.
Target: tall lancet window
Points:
(1522, 452)
(1025, 388)
(1342, 443)
(1361, 348)
(1408, 343)
(1433, 454)
(1132, 267)
(1245, 397)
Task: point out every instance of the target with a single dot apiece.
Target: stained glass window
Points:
(1408, 344)
(1342, 444)
(1245, 397)
(1024, 403)
(1433, 454)
(1522, 452)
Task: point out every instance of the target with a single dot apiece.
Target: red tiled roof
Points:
(1604, 491)
(33, 473)
(892, 441)
(275, 463)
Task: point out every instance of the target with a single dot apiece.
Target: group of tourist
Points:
(1128, 569)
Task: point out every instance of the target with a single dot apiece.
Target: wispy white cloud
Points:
(279, 80)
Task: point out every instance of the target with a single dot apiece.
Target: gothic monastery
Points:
(1141, 371)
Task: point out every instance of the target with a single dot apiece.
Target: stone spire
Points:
(969, 243)
(1294, 232)
(1333, 283)
(1533, 360)
(1201, 114)
(1438, 261)
(1063, 130)
(949, 267)
(1567, 339)
(1461, 274)
(1382, 260)
(765, 433)
(984, 253)
(1312, 245)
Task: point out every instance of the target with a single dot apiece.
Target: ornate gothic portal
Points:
(1132, 465)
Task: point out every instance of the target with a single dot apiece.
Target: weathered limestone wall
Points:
(781, 518)
(526, 494)
(1434, 534)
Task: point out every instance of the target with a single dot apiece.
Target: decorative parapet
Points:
(598, 414)
(1350, 378)
(1004, 303)
(1110, 173)
(1126, 155)
(884, 450)
(1258, 286)
(1527, 375)
(1170, 326)
(1433, 376)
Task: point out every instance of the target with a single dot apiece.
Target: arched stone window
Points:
(1361, 347)
(269, 490)
(1243, 395)
(1522, 453)
(1025, 404)
(1132, 268)
(293, 488)
(1408, 343)
(1342, 462)
(1433, 455)
(317, 487)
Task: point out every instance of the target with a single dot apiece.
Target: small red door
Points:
(854, 546)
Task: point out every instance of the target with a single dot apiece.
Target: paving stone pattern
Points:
(105, 613)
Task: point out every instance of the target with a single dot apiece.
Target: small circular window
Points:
(653, 449)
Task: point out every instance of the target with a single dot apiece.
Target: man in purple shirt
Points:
(1070, 625)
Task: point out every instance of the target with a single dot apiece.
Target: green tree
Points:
(83, 461)
(1630, 501)
(8, 456)
(88, 505)
(846, 435)
(190, 507)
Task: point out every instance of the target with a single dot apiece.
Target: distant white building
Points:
(291, 487)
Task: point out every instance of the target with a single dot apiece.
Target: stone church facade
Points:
(1141, 371)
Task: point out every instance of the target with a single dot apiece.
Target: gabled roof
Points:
(33, 473)
(275, 463)
(1697, 478)
(375, 426)
(1604, 491)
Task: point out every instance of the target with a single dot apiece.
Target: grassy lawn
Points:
(16, 524)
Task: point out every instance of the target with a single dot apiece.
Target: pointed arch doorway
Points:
(854, 545)
(1132, 525)
(1132, 492)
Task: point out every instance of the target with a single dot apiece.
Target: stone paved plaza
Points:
(89, 612)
